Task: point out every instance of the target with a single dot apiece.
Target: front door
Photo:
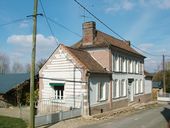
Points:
(130, 90)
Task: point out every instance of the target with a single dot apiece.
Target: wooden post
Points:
(32, 75)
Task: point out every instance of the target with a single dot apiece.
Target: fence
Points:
(56, 117)
(46, 106)
(55, 110)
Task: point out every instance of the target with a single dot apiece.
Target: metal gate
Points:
(53, 110)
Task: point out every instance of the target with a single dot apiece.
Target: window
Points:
(117, 88)
(114, 62)
(141, 86)
(136, 65)
(114, 89)
(58, 90)
(140, 68)
(133, 67)
(101, 91)
(136, 87)
(121, 64)
(117, 63)
(130, 66)
(123, 88)
(124, 65)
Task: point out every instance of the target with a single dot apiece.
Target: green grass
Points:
(10, 122)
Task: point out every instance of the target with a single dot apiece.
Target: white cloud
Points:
(127, 5)
(23, 43)
(121, 5)
(152, 65)
(161, 4)
(26, 41)
(164, 4)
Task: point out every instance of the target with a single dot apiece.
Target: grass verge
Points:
(10, 122)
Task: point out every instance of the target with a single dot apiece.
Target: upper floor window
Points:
(141, 68)
(117, 63)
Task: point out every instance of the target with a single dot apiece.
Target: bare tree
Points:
(28, 68)
(39, 64)
(17, 67)
(4, 63)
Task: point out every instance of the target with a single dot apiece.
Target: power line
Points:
(14, 21)
(111, 28)
(61, 25)
(100, 20)
(144, 51)
(48, 22)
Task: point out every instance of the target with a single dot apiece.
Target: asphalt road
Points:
(152, 118)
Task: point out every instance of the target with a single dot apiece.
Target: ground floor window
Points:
(141, 86)
(123, 88)
(58, 90)
(138, 87)
(116, 88)
(101, 91)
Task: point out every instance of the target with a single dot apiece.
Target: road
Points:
(152, 118)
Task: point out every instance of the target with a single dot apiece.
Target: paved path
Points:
(152, 118)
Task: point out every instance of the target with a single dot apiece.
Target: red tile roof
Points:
(87, 60)
(105, 40)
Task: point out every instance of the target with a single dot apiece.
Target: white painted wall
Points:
(148, 86)
(61, 68)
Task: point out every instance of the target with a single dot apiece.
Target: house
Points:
(106, 72)
(9, 83)
(15, 88)
(148, 82)
(157, 86)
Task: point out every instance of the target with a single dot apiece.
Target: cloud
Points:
(127, 5)
(26, 41)
(23, 44)
(152, 65)
(121, 5)
(161, 4)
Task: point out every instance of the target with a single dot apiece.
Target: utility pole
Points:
(164, 85)
(32, 76)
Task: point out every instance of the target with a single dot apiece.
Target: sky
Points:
(143, 22)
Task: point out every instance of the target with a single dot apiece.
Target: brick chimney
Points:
(89, 32)
(128, 43)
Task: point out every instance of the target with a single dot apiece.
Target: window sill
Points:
(102, 100)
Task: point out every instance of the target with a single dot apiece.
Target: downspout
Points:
(85, 88)
(111, 69)
(110, 93)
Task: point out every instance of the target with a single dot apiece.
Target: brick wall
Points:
(106, 107)
(143, 98)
